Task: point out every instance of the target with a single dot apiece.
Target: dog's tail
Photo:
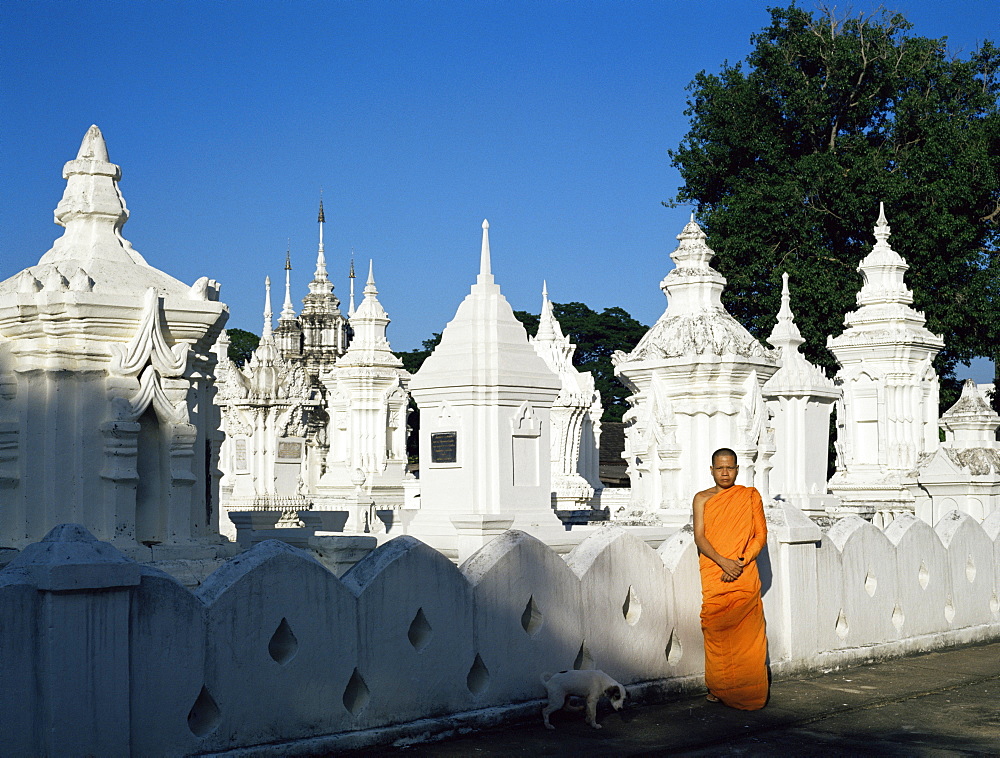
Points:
(545, 677)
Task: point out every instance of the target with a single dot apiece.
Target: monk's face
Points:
(724, 471)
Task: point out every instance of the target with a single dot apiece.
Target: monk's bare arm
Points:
(730, 569)
(759, 539)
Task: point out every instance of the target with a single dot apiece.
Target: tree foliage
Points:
(788, 157)
(596, 336)
(241, 345)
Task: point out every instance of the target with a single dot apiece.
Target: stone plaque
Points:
(444, 447)
(241, 455)
(289, 450)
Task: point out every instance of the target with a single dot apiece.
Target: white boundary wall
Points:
(274, 655)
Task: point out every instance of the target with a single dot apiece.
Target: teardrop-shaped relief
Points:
(923, 575)
(842, 627)
(478, 678)
(871, 584)
(283, 644)
(949, 610)
(674, 650)
(970, 570)
(531, 618)
(420, 631)
(584, 660)
(356, 695)
(631, 608)
(897, 617)
(204, 716)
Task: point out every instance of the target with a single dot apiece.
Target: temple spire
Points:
(786, 334)
(548, 326)
(287, 310)
(350, 308)
(321, 281)
(485, 275)
(267, 308)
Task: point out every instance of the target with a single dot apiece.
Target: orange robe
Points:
(732, 615)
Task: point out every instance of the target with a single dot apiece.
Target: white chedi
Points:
(366, 400)
(485, 399)
(106, 368)
(963, 473)
(696, 379)
(799, 399)
(576, 416)
(887, 417)
(265, 407)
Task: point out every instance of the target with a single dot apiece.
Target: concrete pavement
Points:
(944, 703)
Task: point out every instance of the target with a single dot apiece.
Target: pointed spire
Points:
(548, 326)
(785, 335)
(350, 308)
(485, 275)
(267, 308)
(549, 342)
(369, 345)
(320, 285)
(693, 250)
(93, 147)
(884, 274)
(288, 310)
(882, 230)
(322, 216)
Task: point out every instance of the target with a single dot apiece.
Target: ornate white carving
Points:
(888, 420)
(149, 345)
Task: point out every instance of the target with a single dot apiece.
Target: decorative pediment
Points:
(149, 345)
(151, 393)
(524, 422)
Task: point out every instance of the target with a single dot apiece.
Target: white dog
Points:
(589, 684)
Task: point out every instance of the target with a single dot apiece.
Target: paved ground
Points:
(938, 704)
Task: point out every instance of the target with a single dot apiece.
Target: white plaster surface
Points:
(415, 622)
(528, 616)
(131, 684)
(624, 587)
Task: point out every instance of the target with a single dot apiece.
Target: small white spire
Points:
(370, 284)
(786, 335)
(288, 310)
(267, 307)
(321, 274)
(485, 275)
(882, 230)
(93, 146)
(548, 327)
(350, 309)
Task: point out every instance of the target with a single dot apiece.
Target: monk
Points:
(730, 531)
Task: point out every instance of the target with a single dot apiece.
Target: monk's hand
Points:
(731, 569)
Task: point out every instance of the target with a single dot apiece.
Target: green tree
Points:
(241, 345)
(788, 157)
(596, 336)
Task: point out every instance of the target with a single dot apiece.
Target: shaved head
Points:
(723, 451)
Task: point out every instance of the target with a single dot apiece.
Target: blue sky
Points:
(417, 120)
